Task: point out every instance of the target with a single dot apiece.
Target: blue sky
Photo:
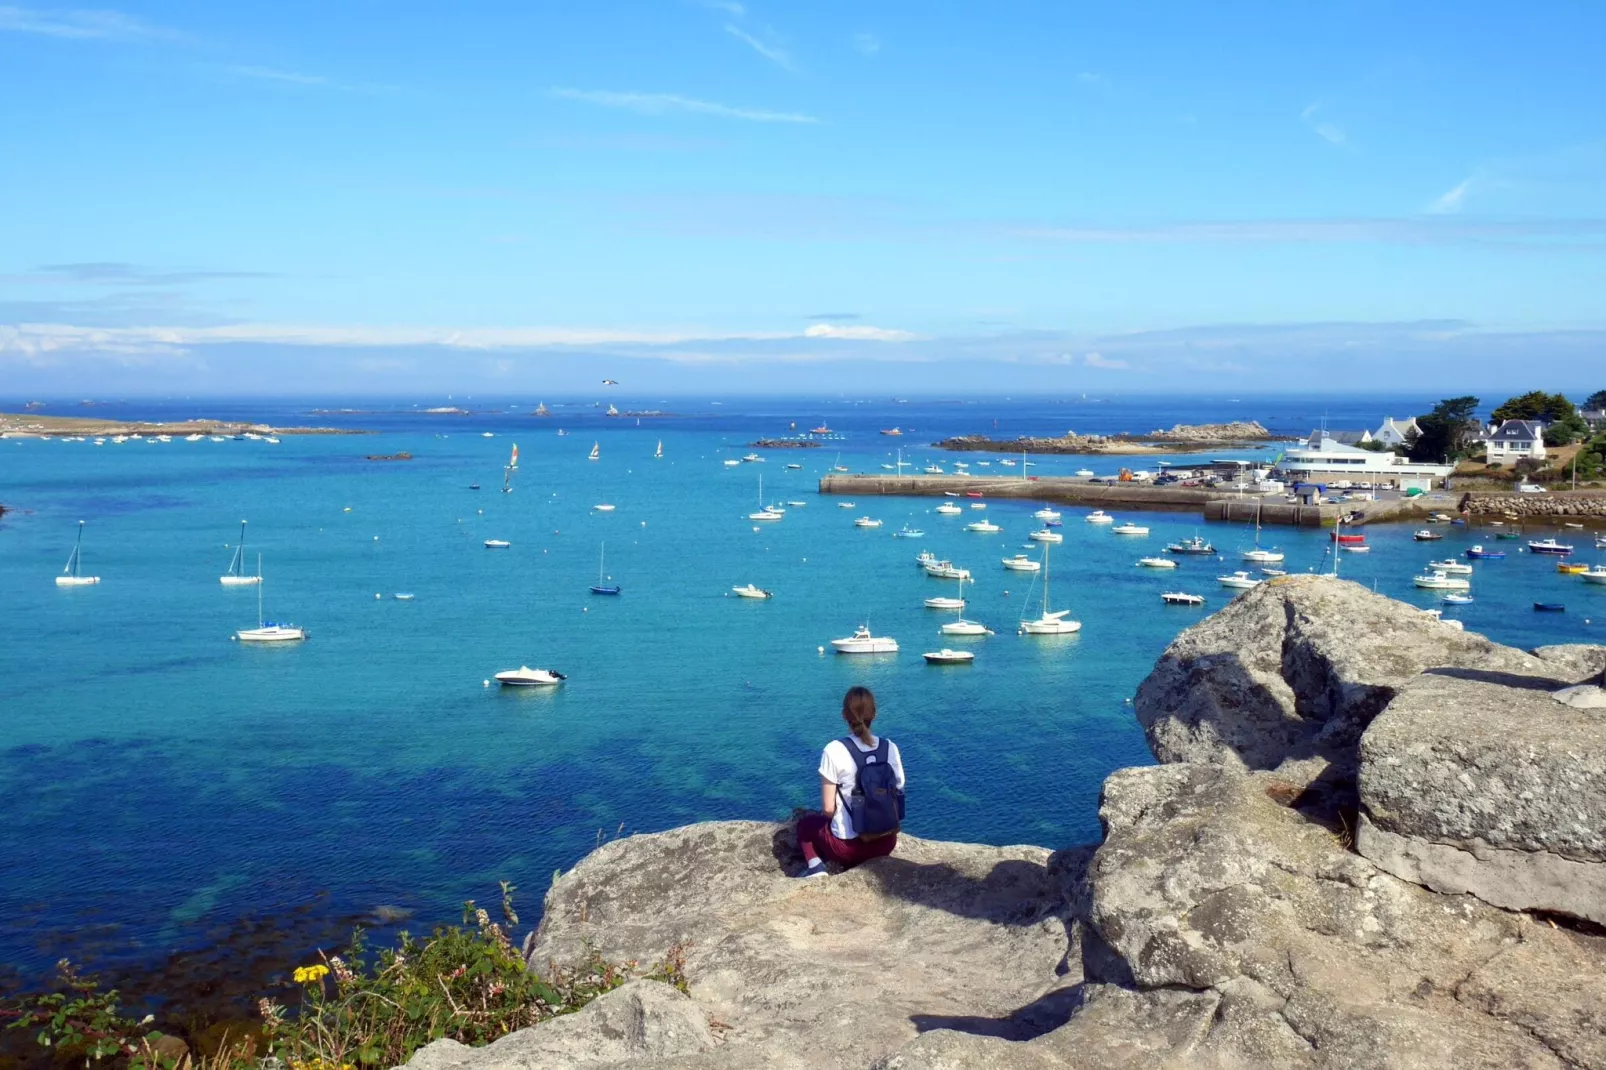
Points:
(1023, 196)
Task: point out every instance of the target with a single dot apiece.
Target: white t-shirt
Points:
(836, 765)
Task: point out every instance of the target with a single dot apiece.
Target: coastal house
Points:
(1396, 432)
(1595, 418)
(1323, 459)
(1514, 440)
(1351, 438)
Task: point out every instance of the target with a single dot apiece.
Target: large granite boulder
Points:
(1475, 782)
(826, 972)
(1263, 941)
(1290, 674)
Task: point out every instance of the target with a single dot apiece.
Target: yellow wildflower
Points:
(306, 975)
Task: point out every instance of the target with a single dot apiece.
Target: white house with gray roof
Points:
(1396, 432)
(1514, 440)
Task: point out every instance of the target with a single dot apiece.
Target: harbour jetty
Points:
(1213, 504)
(1182, 438)
(1377, 846)
(1578, 505)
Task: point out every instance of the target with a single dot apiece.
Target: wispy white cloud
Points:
(670, 103)
(857, 333)
(81, 24)
(866, 44)
(1451, 199)
(1098, 360)
(770, 52)
(1325, 129)
(318, 81)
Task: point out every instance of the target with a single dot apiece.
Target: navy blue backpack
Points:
(876, 804)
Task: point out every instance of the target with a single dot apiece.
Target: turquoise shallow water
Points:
(158, 779)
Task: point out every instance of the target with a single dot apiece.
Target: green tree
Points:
(1566, 431)
(1535, 405)
(1447, 433)
(1595, 401)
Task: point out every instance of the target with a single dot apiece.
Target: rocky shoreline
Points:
(1579, 505)
(31, 425)
(1182, 438)
(783, 444)
(1372, 840)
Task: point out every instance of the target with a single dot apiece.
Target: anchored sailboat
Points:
(1051, 622)
(267, 631)
(1257, 555)
(602, 586)
(596, 451)
(658, 454)
(70, 576)
(236, 576)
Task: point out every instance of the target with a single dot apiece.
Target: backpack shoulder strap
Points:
(883, 751)
(855, 753)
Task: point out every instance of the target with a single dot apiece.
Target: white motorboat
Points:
(751, 458)
(932, 470)
(949, 657)
(1157, 562)
(524, 676)
(1047, 514)
(1258, 556)
(1099, 516)
(1181, 598)
(1050, 622)
(907, 532)
(404, 596)
(949, 509)
(70, 575)
(1451, 567)
(236, 576)
(978, 505)
(1440, 581)
(193, 438)
(1045, 535)
(1007, 463)
(268, 631)
(603, 507)
(1084, 473)
(797, 504)
(946, 570)
(732, 462)
(751, 590)
(497, 544)
(1355, 548)
(1595, 575)
(1021, 563)
(945, 603)
(862, 642)
(794, 468)
(1268, 570)
(1129, 528)
(866, 522)
(1457, 599)
(483, 434)
(1239, 581)
(846, 505)
(986, 527)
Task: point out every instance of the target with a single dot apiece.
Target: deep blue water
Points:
(157, 779)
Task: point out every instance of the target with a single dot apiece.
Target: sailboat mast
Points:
(77, 551)
(259, 590)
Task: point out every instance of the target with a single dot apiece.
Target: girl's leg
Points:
(810, 828)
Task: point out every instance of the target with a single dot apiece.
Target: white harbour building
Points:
(1323, 459)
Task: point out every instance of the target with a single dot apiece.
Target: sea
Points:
(166, 791)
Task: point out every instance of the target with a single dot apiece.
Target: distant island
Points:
(402, 456)
(1182, 438)
(783, 444)
(32, 425)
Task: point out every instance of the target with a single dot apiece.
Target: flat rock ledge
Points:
(1375, 842)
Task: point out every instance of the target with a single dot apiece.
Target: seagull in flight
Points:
(610, 382)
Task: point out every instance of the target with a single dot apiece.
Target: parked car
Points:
(1530, 488)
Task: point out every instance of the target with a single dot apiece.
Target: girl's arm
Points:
(827, 797)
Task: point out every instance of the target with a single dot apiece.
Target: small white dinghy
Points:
(1021, 563)
(497, 544)
(751, 590)
(524, 676)
(949, 657)
(1181, 598)
(866, 522)
(1156, 562)
(1130, 528)
(986, 527)
(944, 602)
(1045, 535)
(604, 507)
(846, 505)
(862, 642)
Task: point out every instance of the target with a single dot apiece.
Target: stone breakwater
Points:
(1372, 840)
(1536, 505)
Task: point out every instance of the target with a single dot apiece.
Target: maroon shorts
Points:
(815, 840)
